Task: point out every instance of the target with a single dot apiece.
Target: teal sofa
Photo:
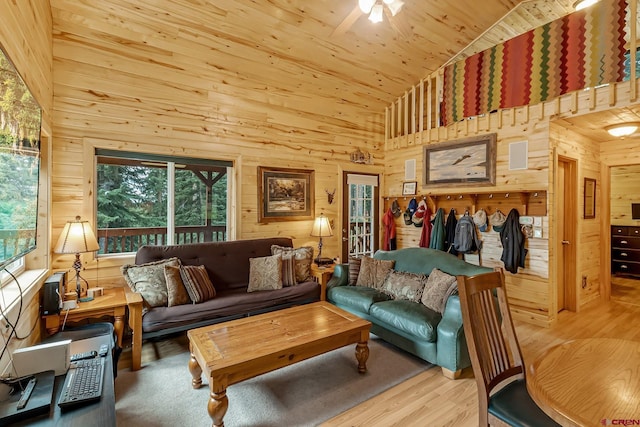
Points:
(411, 326)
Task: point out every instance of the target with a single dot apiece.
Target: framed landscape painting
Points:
(285, 194)
(462, 162)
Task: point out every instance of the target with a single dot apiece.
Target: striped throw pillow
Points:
(197, 282)
(288, 270)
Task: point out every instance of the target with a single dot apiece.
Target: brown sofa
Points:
(227, 264)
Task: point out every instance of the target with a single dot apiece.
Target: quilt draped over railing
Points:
(583, 49)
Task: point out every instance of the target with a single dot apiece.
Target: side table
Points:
(113, 303)
(322, 274)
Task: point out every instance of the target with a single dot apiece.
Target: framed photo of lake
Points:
(461, 162)
(285, 194)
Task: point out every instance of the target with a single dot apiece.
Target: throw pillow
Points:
(373, 272)
(436, 291)
(176, 292)
(401, 285)
(265, 273)
(354, 270)
(303, 258)
(288, 270)
(148, 279)
(197, 282)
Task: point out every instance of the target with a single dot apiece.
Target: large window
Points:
(159, 200)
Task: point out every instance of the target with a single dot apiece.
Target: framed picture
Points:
(409, 188)
(589, 198)
(285, 194)
(461, 162)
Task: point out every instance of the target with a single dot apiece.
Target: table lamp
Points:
(77, 237)
(321, 228)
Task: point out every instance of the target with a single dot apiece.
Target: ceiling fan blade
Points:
(347, 22)
(399, 23)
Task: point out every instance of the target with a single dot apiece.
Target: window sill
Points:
(29, 281)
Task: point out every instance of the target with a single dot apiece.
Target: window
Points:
(159, 200)
(15, 268)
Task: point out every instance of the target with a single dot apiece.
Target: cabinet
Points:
(625, 250)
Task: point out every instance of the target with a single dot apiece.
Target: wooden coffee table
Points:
(234, 351)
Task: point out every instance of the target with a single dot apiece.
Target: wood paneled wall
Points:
(625, 189)
(160, 83)
(26, 37)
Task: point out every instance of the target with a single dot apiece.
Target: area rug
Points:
(304, 394)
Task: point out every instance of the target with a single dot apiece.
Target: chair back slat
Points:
(493, 346)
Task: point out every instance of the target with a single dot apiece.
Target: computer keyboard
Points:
(83, 383)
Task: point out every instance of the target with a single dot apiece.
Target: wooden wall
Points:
(25, 35)
(161, 83)
(625, 189)
(528, 289)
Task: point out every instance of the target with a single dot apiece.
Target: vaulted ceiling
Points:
(318, 49)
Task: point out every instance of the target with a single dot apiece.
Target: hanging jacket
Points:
(389, 222)
(512, 238)
(425, 236)
(438, 232)
(450, 232)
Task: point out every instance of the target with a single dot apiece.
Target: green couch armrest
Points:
(340, 276)
(453, 353)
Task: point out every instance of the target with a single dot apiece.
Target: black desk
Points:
(96, 414)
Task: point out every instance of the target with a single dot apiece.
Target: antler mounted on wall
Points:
(330, 195)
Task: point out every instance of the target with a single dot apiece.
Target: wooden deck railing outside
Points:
(119, 240)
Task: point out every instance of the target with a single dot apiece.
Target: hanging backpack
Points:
(466, 238)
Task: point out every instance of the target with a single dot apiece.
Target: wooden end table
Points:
(113, 303)
(230, 352)
(322, 275)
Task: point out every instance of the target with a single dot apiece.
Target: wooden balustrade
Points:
(119, 240)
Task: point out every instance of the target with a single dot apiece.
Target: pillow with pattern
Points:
(303, 258)
(401, 285)
(437, 289)
(148, 279)
(354, 270)
(373, 272)
(288, 270)
(197, 282)
(265, 273)
(176, 292)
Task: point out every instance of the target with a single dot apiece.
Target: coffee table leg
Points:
(362, 354)
(196, 372)
(217, 407)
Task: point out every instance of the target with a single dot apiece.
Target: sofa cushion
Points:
(373, 272)
(176, 292)
(198, 284)
(265, 273)
(303, 259)
(354, 270)
(359, 298)
(288, 270)
(438, 288)
(400, 285)
(412, 318)
(148, 279)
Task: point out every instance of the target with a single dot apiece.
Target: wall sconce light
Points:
(622, 129)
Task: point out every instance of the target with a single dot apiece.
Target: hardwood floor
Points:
(433, 400)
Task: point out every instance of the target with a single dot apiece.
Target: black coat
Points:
(450, 232)
(512, 238)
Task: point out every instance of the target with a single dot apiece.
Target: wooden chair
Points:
(495, 354)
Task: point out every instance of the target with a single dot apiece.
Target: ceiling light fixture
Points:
(581, 4)
(622, 129)
(375, 8)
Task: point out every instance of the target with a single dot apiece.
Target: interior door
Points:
(360, 218)
(566, 220)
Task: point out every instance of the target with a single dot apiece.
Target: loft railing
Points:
(119, 240)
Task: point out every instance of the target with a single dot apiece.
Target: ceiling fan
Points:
(376, 9)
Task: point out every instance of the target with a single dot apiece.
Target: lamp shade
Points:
(77, 237)
(321, 227)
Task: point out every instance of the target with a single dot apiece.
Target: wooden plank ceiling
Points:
(291, 48)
